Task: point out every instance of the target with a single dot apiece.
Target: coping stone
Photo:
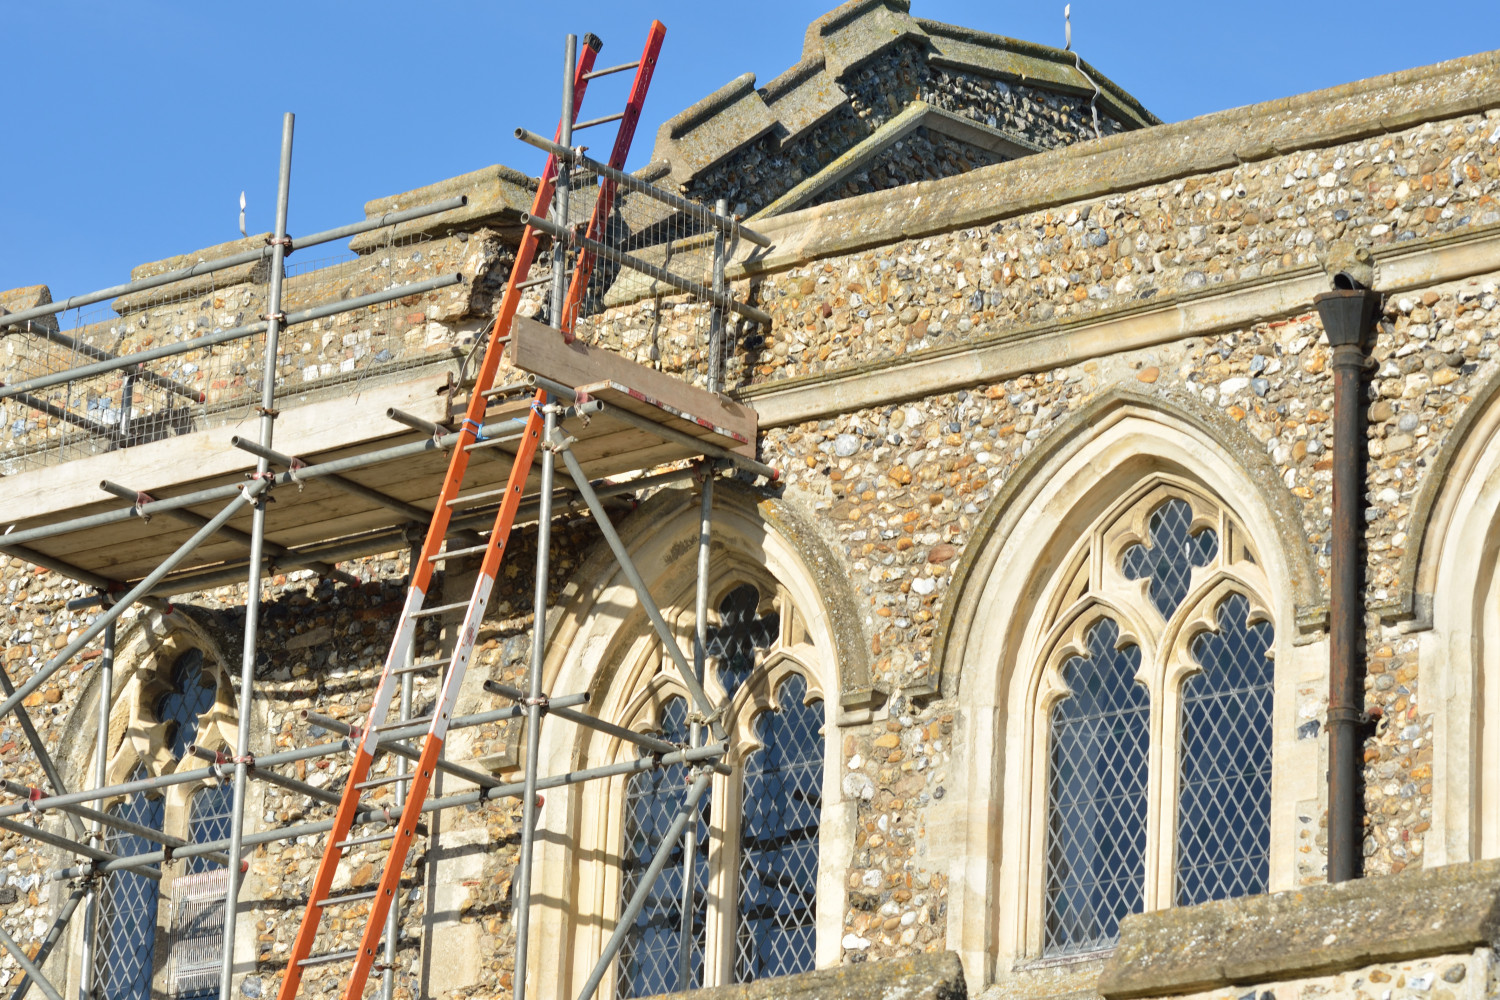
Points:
(1319, 930)
(230, 276)
(704, 133)
(497, 196)
(934, 976)
(802, 98)
(853, 32)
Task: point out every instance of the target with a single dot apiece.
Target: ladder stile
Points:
(400, 661)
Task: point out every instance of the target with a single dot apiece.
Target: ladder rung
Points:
(599, 121)
(377, 782)
(373, 839)
(332, 956)
(456, 501)
(610, 69)
(352, 898)
(472, 550)
(440, 609)
(415, 667)
(510, 389)
(492, 442)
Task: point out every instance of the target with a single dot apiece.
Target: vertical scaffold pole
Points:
(101, 778)
(543, 545)
(274, 319)
(716, 347)
(695, 732)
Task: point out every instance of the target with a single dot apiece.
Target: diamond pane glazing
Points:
(1096, 797)
(1169, 559)
(783, 807)
(740, 635)
(650, 957)
(192, 695)
(126, 934)
(209, 814)
(1224, 780)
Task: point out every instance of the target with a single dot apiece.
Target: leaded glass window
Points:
(127, 907)
(650, 958)
(131, 911)
(755, 873)
(1161, 596)
(1096, 854)
(191, 696)
(1224, 780)
(783, 806)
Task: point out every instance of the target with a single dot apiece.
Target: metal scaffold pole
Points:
(543, 544)
(274, 318)
(106, 686)
(695, 732)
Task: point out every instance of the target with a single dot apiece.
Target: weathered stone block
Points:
(1306, 932)
(922, 977)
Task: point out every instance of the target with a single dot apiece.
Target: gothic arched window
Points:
(164, 705)
(1158, 633)
(756, 854)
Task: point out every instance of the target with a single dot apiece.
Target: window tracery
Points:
(1158, 636)
(756, 856)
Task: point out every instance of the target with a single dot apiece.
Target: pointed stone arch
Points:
(1449, 596)
(1109, 456)
(1242, 461)
(601, 642)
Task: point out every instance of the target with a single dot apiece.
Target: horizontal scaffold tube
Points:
(512, 790)
(650, 270)
(248, 257)
(388, 539)
(246, 493)
(224, 336)
(269, 760)
(728, 225)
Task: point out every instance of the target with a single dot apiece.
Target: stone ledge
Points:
(937, 976)
(1308, 932)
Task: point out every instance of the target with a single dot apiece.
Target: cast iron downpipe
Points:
(1348, 313)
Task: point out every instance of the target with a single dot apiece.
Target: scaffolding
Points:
(613, 237)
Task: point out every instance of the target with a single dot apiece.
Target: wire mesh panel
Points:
(126, 935)
(1224, 774)
(740, 636)
(1173, 551)
(783, 809)
(183, 392)
(650, 957)
(1096, 797)
(666, 325)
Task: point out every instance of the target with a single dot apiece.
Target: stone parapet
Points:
(1313, 932)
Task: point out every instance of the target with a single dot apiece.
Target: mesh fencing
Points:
(198, 387)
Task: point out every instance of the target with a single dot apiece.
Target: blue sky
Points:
(132, 128)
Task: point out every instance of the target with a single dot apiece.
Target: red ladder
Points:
(351, 802)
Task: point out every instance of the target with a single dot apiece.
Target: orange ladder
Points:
(351, 802)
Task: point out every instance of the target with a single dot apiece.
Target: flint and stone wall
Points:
(1183, 285)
